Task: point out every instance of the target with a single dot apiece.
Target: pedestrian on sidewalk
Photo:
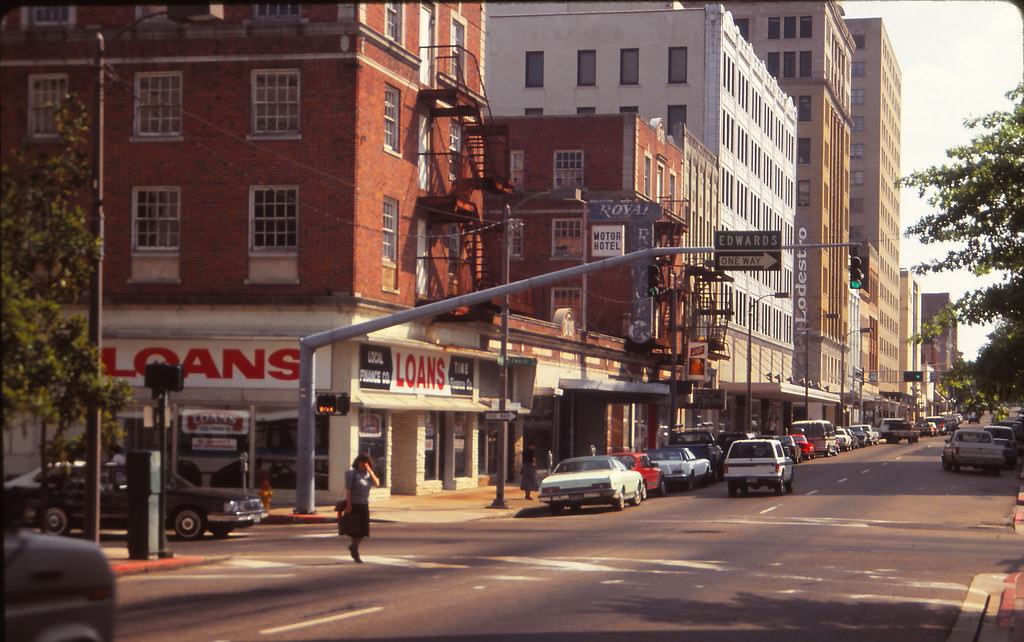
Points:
(356, 521)
(529, 472)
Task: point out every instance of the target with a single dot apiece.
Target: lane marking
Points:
(768, 510)
(323, 620)
(813, 492)
(905, 598)
(564, 565)
(843, 480)
(213, 576)
(396, 561)
(865, 471)
(248, 563)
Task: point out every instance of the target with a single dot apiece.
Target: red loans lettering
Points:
(420, 372)
(284, 363)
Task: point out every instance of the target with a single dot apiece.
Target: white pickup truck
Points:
(974, 448)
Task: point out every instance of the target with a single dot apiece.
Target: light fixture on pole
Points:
(750, 327)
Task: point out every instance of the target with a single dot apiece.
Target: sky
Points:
(958, 61)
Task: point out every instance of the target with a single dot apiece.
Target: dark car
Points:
(713, 454)
(681, 436)
(191, 510)
(725, 439)
(1005, 436)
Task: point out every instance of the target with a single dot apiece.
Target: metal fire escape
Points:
(476, 162)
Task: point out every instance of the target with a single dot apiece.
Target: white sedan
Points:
(591, 480)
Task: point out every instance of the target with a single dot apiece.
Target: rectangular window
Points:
(586, 110)
(803, 151)
(857, 150)
(45, 91)
(773, 28)
(772, 62)
(856, 205)
(454, 149)
(857, 177)
(276, 11)
(858, 123)
(859, 41)
(857, 96)
(676, 118)
(629, 66)
(534, 68)
(533, 111)
(515, 166)
(805, 64)
(393, 20)
(562, 297)
(391, 101)
(389, 230)
(676, 64)
(50, 16)
(275, 218)
(743, 24)
(515, 238)
(458, 42)
(806, 26)
(567, 238)
(629, 109)
(789, 27)
(568, 169)
(803, 108)
(586, 67)
(789, 64)
(803, 193)
(647, 176)
(157, 216)
(275, 102)
(158, 104)
(857, 70)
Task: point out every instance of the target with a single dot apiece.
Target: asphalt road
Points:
(876, 544)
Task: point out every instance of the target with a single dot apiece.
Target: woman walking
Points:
(529, 472)
(358, 482)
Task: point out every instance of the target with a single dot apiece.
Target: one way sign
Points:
(756, 261)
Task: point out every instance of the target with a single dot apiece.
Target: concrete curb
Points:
(134, 567)
(298, 518)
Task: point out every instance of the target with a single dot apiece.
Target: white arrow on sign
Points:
(498, 415)
(763, 261)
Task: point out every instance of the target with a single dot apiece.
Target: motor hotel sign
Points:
(607, 240)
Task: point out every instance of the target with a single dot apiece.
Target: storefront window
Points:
(487, 449)
(373, 441)
(459, 435)
(276, 444)
(431, 444)
(213, 447)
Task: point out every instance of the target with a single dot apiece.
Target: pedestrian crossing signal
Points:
(331, 403)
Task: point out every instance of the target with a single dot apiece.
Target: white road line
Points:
(564, 565)
(396, 561)
(323, 620)
(257, 564)
(768, 510)
(865, 471)
(813, 492)
(212, 576)
(843, 480)
(904, 599)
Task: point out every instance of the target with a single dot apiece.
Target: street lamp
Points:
(842, 374)
(750, 328)
(807, 362)
(562, 193)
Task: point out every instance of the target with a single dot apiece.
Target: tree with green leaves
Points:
(979, 207)
(50, 371)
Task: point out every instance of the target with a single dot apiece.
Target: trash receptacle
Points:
(143, 469)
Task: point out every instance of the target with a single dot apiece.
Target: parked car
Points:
(973, 447)
(713, 454)
(598, 479)
(725, 439)
(56, 588)
(806, 447)
(756, 463)
(858, 433)
(896, 429)
(191, 510)
(681, 466)
(821, 433)
(942, 423)
(1018, 429)
(1004, 435)
(844, 439)
(680, 436)
(792, 448)
(654, 479)
(873, 435)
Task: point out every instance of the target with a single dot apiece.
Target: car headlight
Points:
(231, 506)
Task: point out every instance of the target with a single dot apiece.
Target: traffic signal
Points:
(856, 273)
(655, 284)
(164, 377)
(332, 403)
(913, 376)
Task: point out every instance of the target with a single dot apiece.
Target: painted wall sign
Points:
(215, 422)
(607, 240)
(626, 211)
(414, 371)
(216, 364)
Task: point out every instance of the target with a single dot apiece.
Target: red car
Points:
(806, 447)
(641, 463)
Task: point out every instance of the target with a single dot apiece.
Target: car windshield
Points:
(582, 465)
(699, 450)
(664, 453)
(752, 450)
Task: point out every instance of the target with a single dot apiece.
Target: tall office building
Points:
(808, 48)
(875, 102)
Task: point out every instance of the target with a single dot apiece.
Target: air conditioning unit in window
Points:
(560, 250)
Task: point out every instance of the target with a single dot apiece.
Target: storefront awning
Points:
(621, 391)
(417, 402)
(780, 391)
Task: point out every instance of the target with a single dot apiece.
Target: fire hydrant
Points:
(266, 493)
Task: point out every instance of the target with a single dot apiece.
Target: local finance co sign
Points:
(748, 250)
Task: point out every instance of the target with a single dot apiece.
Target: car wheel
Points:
(732, 489)
(945, 465)
(638, 495)
(956, 467)
(662, 487)
(780, 488)
(619, 501)
(789, 486)
(189, 523)
(689, 481)
(55, 521)
(555, 508)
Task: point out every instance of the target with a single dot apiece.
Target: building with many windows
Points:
(678, 66)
